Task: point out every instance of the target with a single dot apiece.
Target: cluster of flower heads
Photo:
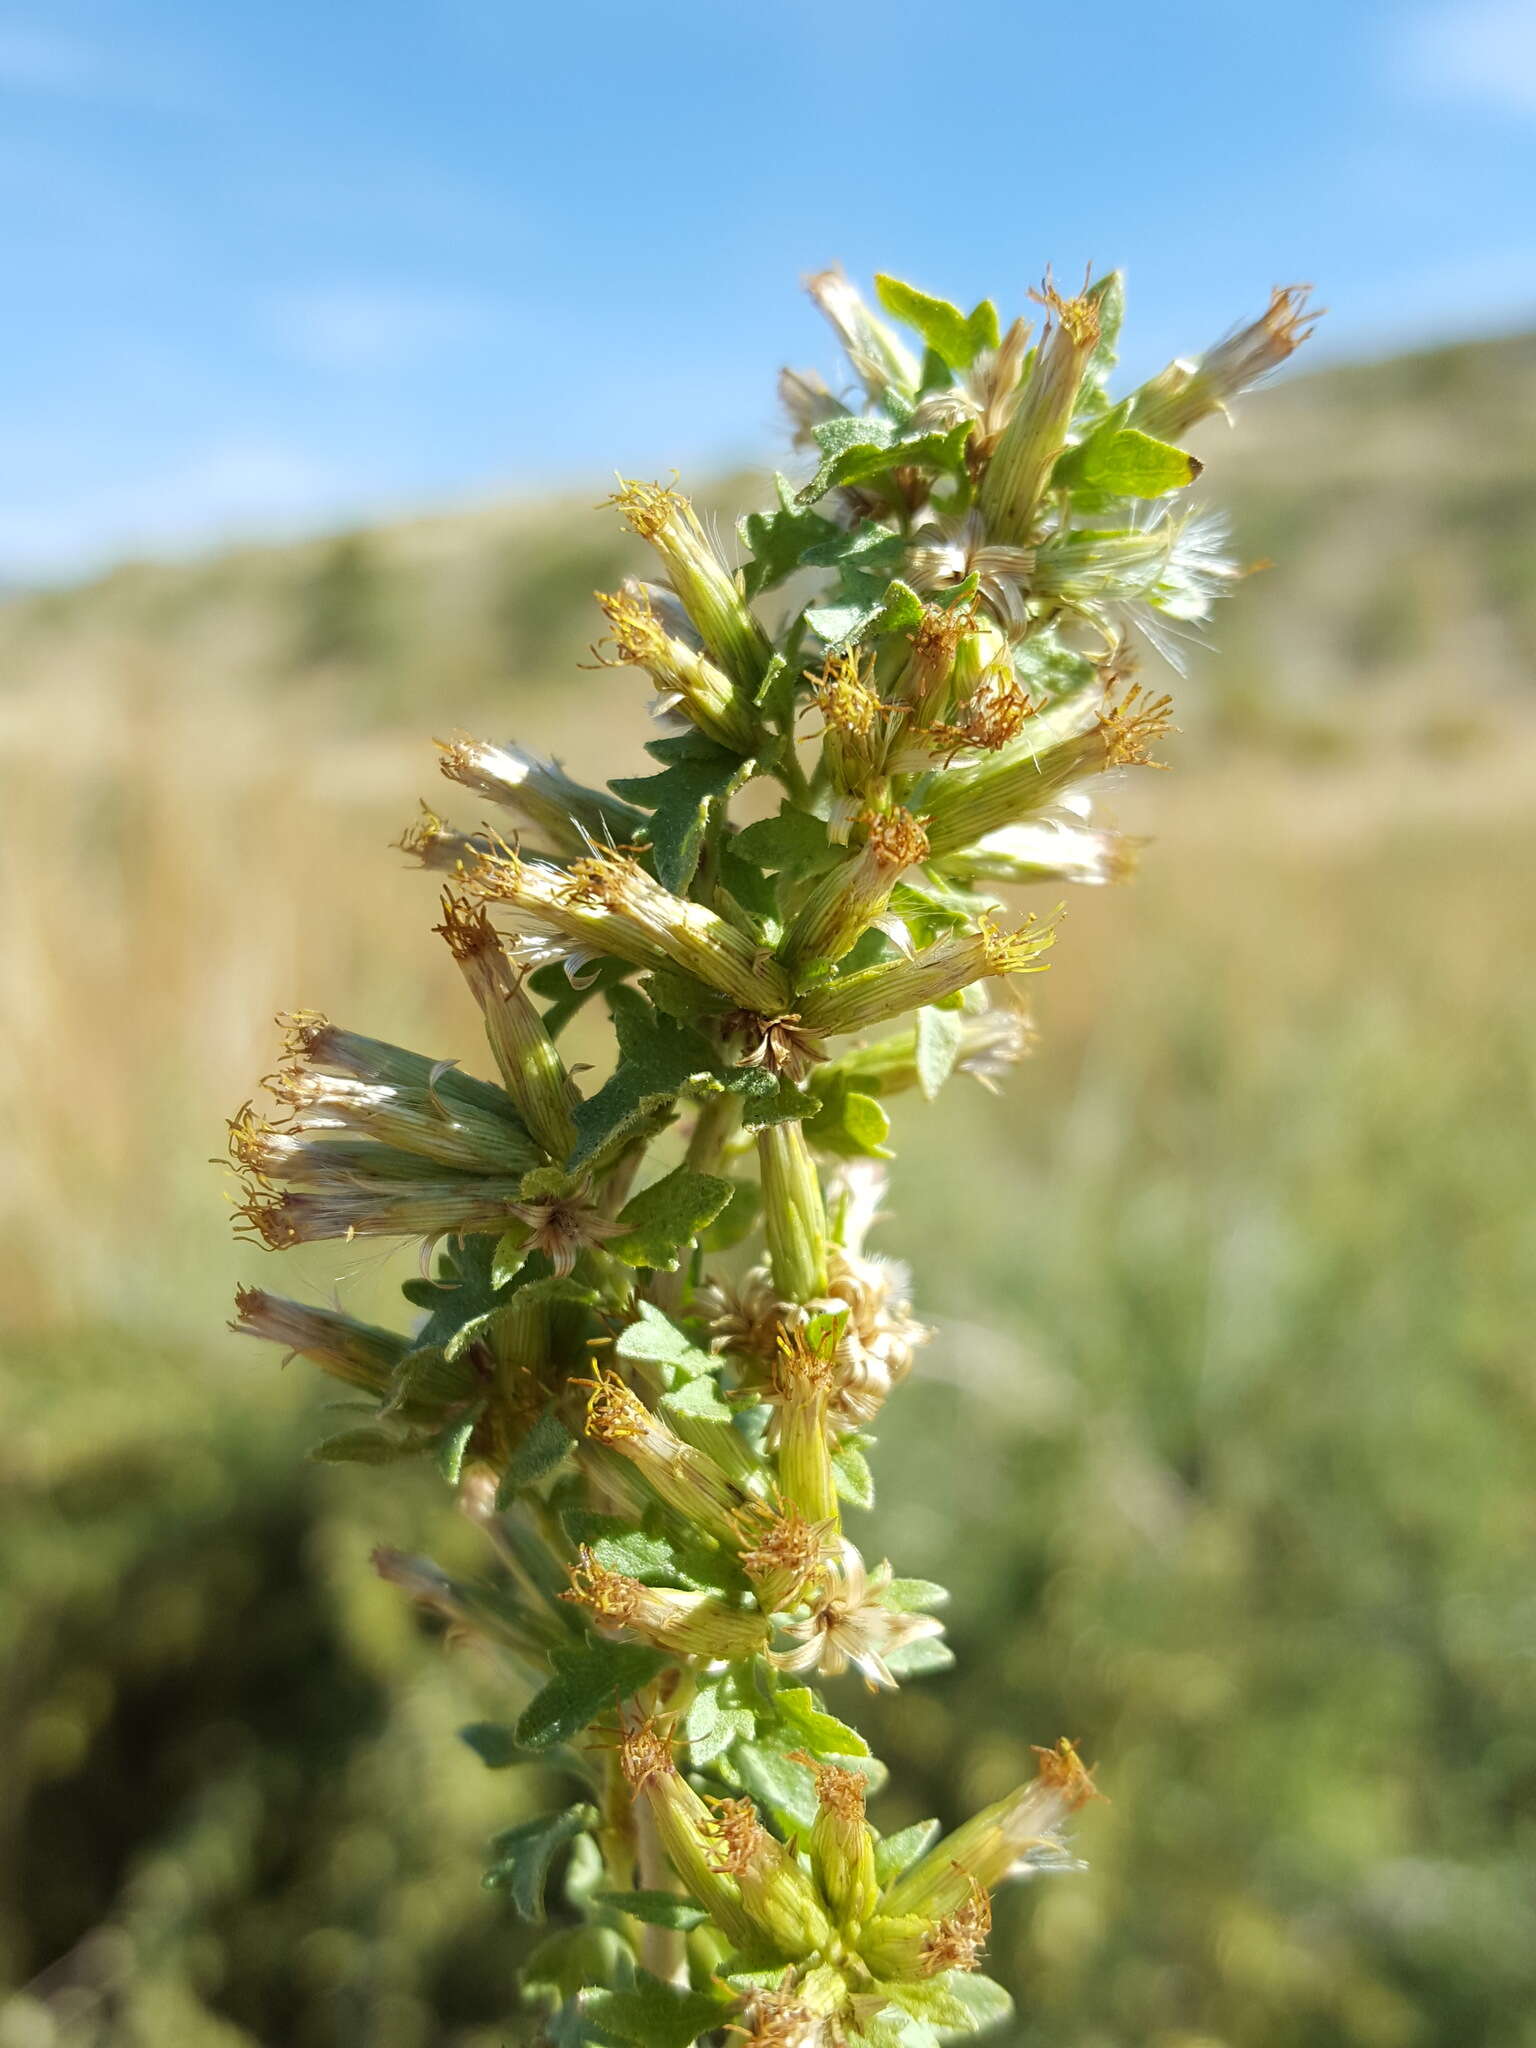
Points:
(923, 667)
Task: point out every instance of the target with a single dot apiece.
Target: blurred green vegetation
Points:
(1227, 1440)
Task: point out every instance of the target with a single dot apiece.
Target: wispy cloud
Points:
(49, 63)
(371, 328)
(1481, 52)
(227, 490)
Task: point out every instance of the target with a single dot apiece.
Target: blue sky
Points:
(276, 267)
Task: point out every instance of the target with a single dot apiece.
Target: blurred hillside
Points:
(1226, 1444)
(1396, 499)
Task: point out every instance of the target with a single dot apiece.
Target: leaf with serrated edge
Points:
(667, 1216)
(587, 1682)
(520, 1857)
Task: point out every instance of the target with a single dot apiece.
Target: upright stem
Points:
(794, 1215)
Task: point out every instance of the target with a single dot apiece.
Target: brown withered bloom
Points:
(563, 1226)
(849, 1624)
(779, 1045)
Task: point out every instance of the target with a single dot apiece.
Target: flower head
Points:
(849, 1623)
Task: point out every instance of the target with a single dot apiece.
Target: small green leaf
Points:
(510, 1256)
(679, 800)
(667, 1216)
(987, 2003)
(540, 1451)
(654, 1339)
(954, 336)
(770, 1774)
(793, 839)
(716, 1720)
(657, 1055)
(898, 1852)
(366, 1447)
(588, 1681)
(813, 1728)
(857, 449)
(940, 1034)
(1123, 462)
(429, 1378)
(562, 1966)
(854, 1481)
(851, 1124)
(655, 2015)
(901, 609)
(493, 1743)
(520, 1857)
(621, 1547)
(914, 1596)
(777, 540)
(656, 1909)
(453, 1442)
(922, 1659)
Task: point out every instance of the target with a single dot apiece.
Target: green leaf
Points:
(850, 435)
(716, 1720)
(940, 1034)
(656, 1909)
(520, 1857)
(667, 1216)
(564, 1965)
(654, 1339)
(657, 1055)
(952, 335)
(453, 1442)
(855, 449)
(898, 1852)
(1123, 462)
(983, 323)
(540, 1451)
(429, 1378)
(462, 1290)
(793, 839)
(854, 1481)
(985, 2000)
(922, 1659)
(587, 1682)
(622, 1547)
(932, 2003)
(679, 800)
(511, 1255)
(494, 1744)
(813, 1728)
(864, 561)
(768, 1098)
(777, 540)
(901, 609)
(851, 1124)
(787, 1789)
(655, 2015)
(896, 2029)
(914, 1596)
(366, 1446)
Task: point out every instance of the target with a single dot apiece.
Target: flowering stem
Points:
(667, 1461)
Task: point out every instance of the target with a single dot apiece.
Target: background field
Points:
(1226, 1446)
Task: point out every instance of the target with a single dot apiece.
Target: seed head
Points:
(960, 1938)
(1130, 728)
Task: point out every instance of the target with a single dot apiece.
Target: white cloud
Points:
(1482, 52)
(228, 490)
(48, 63)
(367, 328)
